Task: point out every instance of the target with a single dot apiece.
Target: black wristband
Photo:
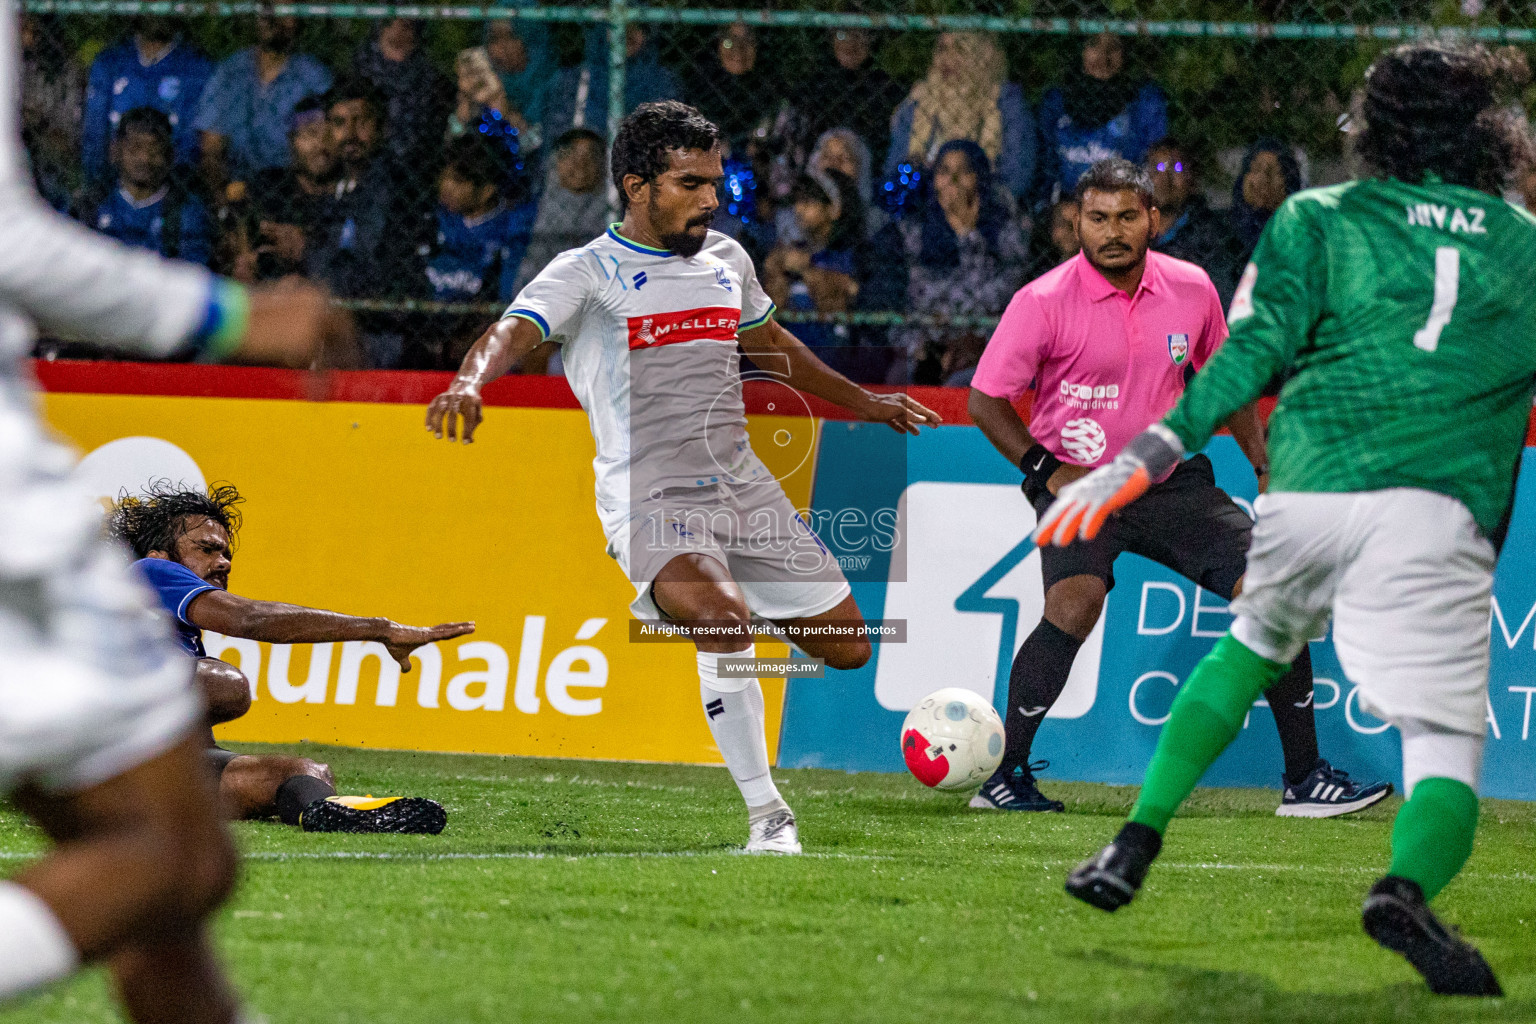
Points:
(1037, 465)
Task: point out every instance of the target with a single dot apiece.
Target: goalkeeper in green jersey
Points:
(1403, 306)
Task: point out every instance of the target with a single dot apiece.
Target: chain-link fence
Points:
(896, 169)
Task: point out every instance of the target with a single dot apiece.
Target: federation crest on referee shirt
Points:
(1178, 348)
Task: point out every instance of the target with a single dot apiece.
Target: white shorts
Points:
(1408, 578)
(782, 567)
(91, 683)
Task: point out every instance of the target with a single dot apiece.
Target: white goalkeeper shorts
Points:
(91, 683)
(783, 569)
(1408, 578)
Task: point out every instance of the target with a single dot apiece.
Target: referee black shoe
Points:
(1396, 916)
(412, 815)
(1109, 879)
(1014, 789)
(1328, 793)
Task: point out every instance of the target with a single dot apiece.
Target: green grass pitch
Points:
(588, 891)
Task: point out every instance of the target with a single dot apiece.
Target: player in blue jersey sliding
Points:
(184, 540)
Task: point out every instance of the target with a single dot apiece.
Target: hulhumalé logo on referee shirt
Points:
(711, 323)
(1178, 348)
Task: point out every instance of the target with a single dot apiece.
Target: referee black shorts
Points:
(1185, 523)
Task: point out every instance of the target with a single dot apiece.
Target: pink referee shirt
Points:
(1106, 365)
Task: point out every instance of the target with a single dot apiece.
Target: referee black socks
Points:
(1290, 701)
(1038, 676)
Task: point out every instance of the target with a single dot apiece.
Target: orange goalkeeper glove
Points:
(1083, 505)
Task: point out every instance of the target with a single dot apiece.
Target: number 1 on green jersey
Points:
(1447, 286)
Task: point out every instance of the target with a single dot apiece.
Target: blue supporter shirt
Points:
(176, 586)
(1069, 149)
(142, 224)
(478, 258)
(119, 83)
(254, 117)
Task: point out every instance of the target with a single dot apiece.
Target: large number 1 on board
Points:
(1447, 285)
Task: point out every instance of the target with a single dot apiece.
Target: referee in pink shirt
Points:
(1107, 339)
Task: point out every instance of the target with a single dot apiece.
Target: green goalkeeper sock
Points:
(1205, 718)
(1432, 837)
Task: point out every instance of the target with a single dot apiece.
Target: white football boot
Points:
(774, 833)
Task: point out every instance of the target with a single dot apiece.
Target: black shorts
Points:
(1186, 523)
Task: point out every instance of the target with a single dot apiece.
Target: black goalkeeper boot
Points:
(1110, 878)
(1397, 916)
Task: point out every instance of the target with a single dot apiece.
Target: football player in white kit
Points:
(98, 717)
(650, 315)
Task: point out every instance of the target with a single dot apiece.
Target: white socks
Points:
(34, 948)
(734, 708)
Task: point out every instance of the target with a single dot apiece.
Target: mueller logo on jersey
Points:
(712, 323)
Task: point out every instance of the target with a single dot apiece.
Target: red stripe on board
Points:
(418, 387)
(397, 387)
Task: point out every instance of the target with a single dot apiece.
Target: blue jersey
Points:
(478, 259)
(143, 224)
(172, 85)
(176, 586)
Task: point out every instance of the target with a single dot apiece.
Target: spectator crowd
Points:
(391, 177)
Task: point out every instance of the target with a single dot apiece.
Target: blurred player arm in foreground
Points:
(76, 283)
(1278, 302)
(782, 354)
(278, 623)
(498, 350)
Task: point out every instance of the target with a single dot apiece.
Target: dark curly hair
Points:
(1439, 108)
(648, 134)
(156, 518)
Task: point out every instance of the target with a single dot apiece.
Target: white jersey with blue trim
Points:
(648, 339)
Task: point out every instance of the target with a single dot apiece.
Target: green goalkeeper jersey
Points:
(1408, 314)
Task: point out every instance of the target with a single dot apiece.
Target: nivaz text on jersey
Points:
(1447, 218)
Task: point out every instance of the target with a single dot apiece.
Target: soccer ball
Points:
(952, 740)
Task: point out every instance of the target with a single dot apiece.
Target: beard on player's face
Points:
(686, 241)
(1116, 229)
(1114, 251)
